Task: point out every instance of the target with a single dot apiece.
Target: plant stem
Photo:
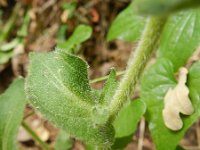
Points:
(136, 64)
(141, 134)
(105, 77)
(35, 136)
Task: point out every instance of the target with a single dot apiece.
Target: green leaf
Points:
(5, 56)
(69, 7)
(9, 46)
(127, 26)
(155, 83)
(61, 33)
(7, 28)
(128, 118)
(105, 98)
(63, 141)
(109, 88)
(156, 7)
(181, 37)
(194, 86)
(90, 147)
(121, 143)
(12, 104)
(179, 148)
(81, 34)
(23, 31)
(126, 122)
(58, 85)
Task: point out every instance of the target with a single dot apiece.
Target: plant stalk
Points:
(137, 63)
(105, 77)
(43, 145)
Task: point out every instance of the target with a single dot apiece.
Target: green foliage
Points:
(23, 31)
(63, 141)
(6, 49)
(5, 56)
(128, 118)
(127, 26)
(61, 33)
(61, 79)
(155, 83)
(12, 104)
(58, 85)
(156, 7)
(69, 7)
(7, 28)
(179, 148)
(126, 122)
(81, 34)
(109, 88)
(181, 37)
(105, 96)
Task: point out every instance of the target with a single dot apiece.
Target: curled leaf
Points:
(177, 101)
(58, 86)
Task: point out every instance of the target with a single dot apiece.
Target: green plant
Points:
(58, 86)
(7, 48)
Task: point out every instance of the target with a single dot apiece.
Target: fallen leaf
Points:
(177, 101)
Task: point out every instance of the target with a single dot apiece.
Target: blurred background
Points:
(37, 26)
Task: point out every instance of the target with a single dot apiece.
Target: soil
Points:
(46, 17)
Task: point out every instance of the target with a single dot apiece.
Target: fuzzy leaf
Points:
(126, 123)
(58, 86)
(181, 37)
(104, 98)
(160, 6)
(127, 26)
(63, 141)
(12, 104)
(109, 88)
(61, 33)
(81, 34)
(155, 83)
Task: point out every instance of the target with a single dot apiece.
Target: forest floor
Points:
(46, 16)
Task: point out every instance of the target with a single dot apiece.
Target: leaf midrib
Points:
(66, 91)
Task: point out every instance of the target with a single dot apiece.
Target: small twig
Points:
(43, 145)
(195, 57)
(191, 147)
(105, 77)
(46, 6)
(28, 115)
(141, 134)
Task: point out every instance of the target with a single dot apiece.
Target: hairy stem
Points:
(43, 145)
(136, 64)
(105, 77)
